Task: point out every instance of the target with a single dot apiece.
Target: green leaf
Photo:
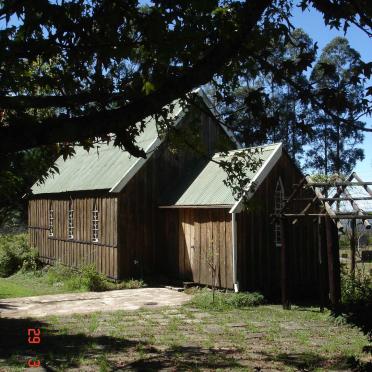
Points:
(148, 87)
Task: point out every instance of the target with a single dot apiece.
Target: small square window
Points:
(95, 225)
(51, 221)
(70, 222)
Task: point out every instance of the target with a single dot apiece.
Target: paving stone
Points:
(213, 329)
(237, 325)
(67, 304)
(201, 315)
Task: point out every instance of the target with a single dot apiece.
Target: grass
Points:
(187, 338)
(53, 281)
(222, 300)
(24, 284)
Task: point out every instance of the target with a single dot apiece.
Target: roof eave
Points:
(266, 168)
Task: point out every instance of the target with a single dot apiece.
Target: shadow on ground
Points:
(61, 351)
(358, 315)
(313, 361)
(65, 351)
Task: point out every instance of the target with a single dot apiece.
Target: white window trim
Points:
(70, 222)
(95, 224)
(51, 220)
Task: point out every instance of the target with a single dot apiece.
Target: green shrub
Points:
(30, 261)
(242, 299)
(86, 278)
(92, 280)
(226, 300)
(59, 273)
(129, 284)
(356, 290)
(15, 254)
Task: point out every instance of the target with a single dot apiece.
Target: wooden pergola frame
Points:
(327, 234)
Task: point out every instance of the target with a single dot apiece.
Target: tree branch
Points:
(28, 133)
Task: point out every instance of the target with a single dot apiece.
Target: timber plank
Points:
(229, 273)
(197, 247)
(216, 247)
(181, 244)
(192, 243)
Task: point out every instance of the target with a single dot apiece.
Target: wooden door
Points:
(187, 245)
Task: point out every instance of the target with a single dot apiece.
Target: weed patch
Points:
(203, 299)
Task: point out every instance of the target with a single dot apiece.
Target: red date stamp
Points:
(34, 337)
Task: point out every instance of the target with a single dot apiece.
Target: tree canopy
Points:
(105, 65)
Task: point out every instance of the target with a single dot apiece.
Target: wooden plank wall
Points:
(141, 241)
(192, 237)
(80, 250)
(259, 258)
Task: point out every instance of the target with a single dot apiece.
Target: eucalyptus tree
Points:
(107, 65)
(340, 87)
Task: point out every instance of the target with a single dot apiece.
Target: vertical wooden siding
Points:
(80, 250)
(190, 235)
(140, 226)
(259, 258)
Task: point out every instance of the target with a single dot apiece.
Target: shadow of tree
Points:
(55, 349)
(58, 350)
(311, 361)
(185, 358)
(358, 315)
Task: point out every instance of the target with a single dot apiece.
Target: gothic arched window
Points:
(278, 205)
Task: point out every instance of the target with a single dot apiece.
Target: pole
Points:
(321, 239)
(352, 248)
(332, 270)
(235, 251)
(284, 264)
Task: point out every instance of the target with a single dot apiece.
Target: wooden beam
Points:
(338, 183)
(352, 248)
(338, 216)
(294, 193)
(332, 270)
(357, 209)
(335, 199)
(368, 189)
(321, 266)
(328, 208)
(341, 188)
(304, 211)
(284, 265)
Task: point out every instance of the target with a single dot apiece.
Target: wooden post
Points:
(352, 248)
(321, 241)
(284, 264)
(332, 265)
(336, 264)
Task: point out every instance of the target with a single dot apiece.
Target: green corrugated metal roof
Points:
(208, 187)
(96, 170)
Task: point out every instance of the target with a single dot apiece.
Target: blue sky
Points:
(312, 23)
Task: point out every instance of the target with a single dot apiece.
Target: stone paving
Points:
(66, 304)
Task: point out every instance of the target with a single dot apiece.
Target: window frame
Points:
(95, 223)
(51, 220)
(70, 221)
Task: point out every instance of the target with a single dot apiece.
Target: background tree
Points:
(103, 66)
(267, 109)
(338, 84)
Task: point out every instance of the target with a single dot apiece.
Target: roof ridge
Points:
(231, 152)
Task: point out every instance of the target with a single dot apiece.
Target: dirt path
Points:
(66, 304)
